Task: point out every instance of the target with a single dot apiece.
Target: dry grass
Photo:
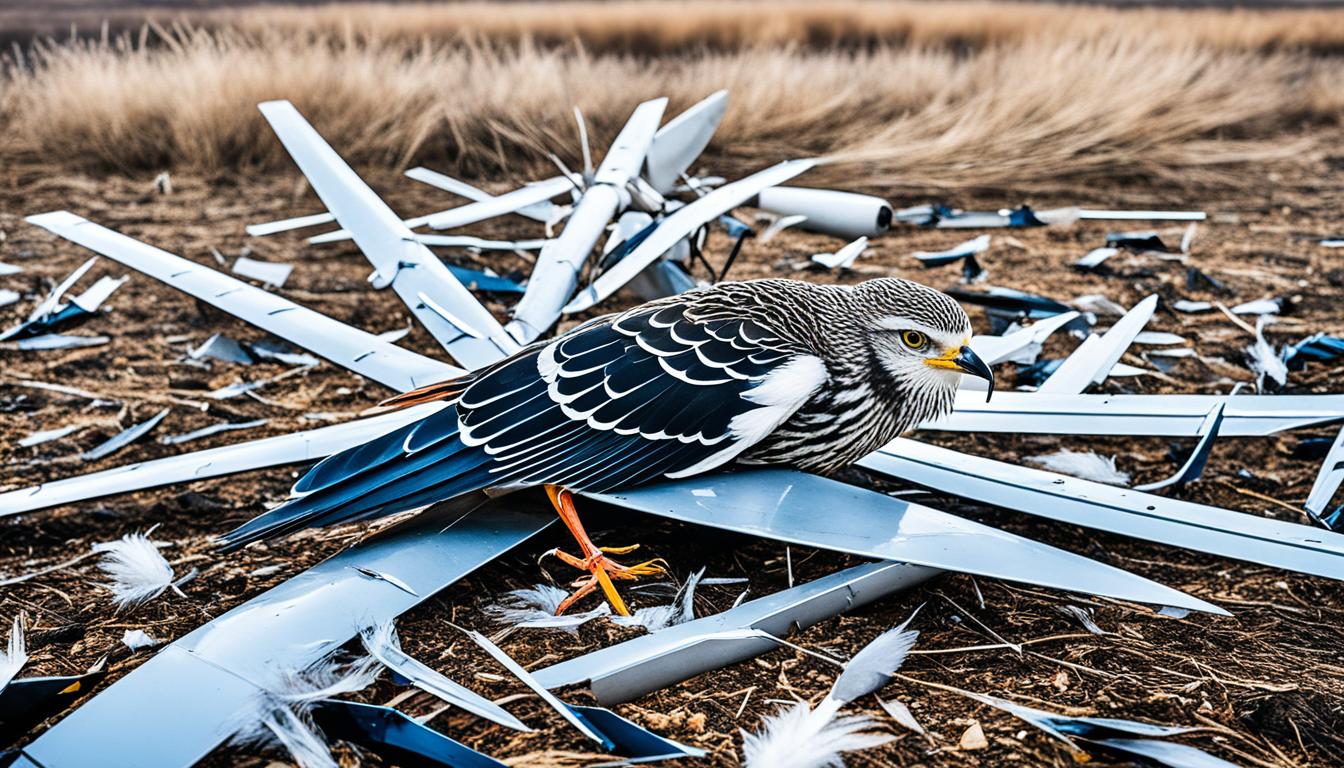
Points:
(1032, 113)
(663, 25)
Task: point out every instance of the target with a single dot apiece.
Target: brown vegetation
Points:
(1031, 113)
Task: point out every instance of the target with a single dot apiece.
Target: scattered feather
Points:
(138, 572)
(13, 660)
(1188, 238)
(535, 609)
(902, 715)
(875, 663)
(1088, 465)
(1083, 616)
(800, 737)
(1265, 360)
(135, 639)
(659, 617)
(283, 713)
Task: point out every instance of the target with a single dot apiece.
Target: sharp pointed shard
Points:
(583, 144)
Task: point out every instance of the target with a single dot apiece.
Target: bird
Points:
(757, 372)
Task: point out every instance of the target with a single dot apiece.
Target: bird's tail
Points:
(411, 467)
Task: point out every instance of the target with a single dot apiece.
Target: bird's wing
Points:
(650, 392)
(613, 403)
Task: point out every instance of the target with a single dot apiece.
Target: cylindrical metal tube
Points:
(844, 214)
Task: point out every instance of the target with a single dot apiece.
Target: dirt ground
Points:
(1266, 687)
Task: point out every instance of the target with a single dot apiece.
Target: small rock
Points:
(973, 738)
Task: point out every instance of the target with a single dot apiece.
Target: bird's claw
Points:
(602, 571)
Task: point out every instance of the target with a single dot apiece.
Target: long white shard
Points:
(344, 345)
(543, 212)
(997, 349)
(680, 142)
(226, 460)
(680, 224)
(1109, 508)
(625, 671)
(1136, 415)
(398, 259)
(1090, 363)
(471, 213)
(509, 202)
(285, 225)
(1328, 479)
(784, 505)
(556, 273)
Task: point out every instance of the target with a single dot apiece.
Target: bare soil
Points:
(1266, 686)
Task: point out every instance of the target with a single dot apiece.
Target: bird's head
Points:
(919, 336)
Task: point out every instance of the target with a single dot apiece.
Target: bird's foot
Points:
(603, 571)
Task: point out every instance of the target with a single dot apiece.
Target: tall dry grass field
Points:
(954, 95)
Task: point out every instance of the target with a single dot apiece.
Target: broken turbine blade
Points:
(625, 671)
(389, 244)
(1148, 517)
(681, 223)
(676, 145)
(346, 346)
(781, 505)
(1091, 363)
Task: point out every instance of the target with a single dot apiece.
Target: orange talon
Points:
(593, 559)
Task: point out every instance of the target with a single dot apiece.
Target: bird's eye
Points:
(914, 340)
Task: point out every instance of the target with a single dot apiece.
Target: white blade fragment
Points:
(843, 258)
(9, 269)
(1194, 465)
(531, 682)
(48, 305)
(1091, 363)
(961, 250)
(213, 429)
(779, 225)
(269, 273)
(124, 438)
(543, 212)
(13, 660)
(676, 145)
(410, 268)
(48, 435)
(682, 223)
(1259, 307)
(1328, 478)
(8, 297)
(1094, 258)
(50, 341)
(285, 225)
(382, 643)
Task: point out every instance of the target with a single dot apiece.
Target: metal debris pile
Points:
(278, 665)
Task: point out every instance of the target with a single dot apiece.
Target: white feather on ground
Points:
(802, 737)
(138, 572)
(1083, 616)
(1088, 465)
(13, 660)
(283, 714)
(135, 639)
(1264, 359)
(659, 617)
(535, 608)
